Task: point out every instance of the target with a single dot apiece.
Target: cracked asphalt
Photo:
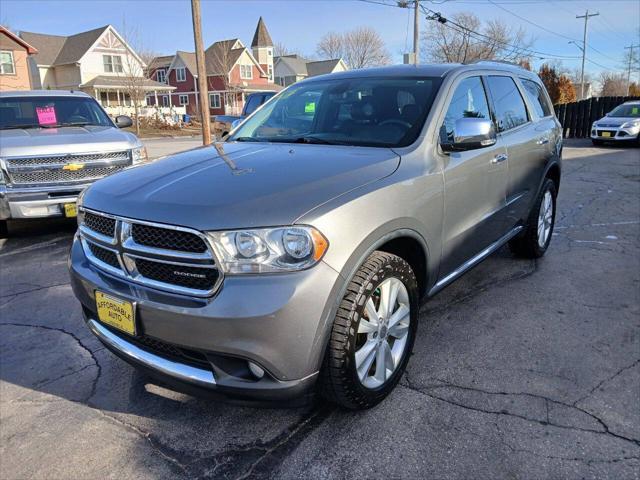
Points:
(521, 369)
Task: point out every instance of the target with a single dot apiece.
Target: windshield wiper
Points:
(71, 124)
(247, 139)
(16, 127)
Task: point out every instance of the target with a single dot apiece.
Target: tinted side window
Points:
(507, 102)
(469, 101)
(537, 97)
(253, 103)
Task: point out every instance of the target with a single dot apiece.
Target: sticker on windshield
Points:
(310, 107)
(46, 115)
(634, 110)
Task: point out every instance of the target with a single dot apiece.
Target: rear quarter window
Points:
(538, 97)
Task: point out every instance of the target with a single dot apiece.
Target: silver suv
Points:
(293, 257)
(52, 145)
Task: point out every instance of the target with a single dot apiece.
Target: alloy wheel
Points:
(383, 334)
(545, 219)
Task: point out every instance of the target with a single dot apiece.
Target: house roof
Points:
(30, 50)
(296, 63)
(189, 59)
(322, 66)
(301, 66)
(220, 57)
(59, 50)
(160, 62)
(261, 38)
(107, 81)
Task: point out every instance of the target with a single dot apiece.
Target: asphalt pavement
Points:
(521, 369)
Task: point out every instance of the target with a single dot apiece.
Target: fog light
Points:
(256, 370)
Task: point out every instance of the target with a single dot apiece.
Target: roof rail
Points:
(501, 62)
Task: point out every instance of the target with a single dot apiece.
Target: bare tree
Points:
(134, 74)
(465, 39)
(220, 59)
(362, 47)
(613, 84)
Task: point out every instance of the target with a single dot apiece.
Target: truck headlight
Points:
(139, 155)
(268, 250)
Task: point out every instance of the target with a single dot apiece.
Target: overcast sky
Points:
(165, 25)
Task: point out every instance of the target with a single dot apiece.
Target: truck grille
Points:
(164, 257)
(62, 159)
(170, 239)
(59, 175)
(101, 224)
(65, 168)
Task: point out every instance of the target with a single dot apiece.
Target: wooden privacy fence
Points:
(576, 117)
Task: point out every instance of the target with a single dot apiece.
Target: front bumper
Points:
(278, 322)
(36, 202)
(615, 134)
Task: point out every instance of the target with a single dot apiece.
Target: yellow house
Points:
(15, 72)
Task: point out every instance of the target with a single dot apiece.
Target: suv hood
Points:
(239, 185)
(614, 121)
(54, 141)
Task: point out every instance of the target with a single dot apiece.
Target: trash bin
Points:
(186, 118)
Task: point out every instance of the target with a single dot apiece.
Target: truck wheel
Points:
(372, 334)
(4, 229)
(535, 239)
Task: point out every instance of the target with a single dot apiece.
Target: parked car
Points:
(52, 145)
(223, 124)
(620, 125)
(294, 256)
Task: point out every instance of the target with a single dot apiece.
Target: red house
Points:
(233, 71)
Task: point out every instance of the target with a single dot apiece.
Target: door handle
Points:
(499, 158)
(543, 141)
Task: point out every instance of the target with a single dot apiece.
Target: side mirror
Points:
(122, 121)
(468, 134)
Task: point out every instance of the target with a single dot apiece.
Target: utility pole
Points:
(586, 17)
(202, 73)
(416, 31)
(631, 60)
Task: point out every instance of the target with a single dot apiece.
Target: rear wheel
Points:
(535, 239)
(372, 334)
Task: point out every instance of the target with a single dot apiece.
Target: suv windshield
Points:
(378, 112)
(631, 110)
(50, 112)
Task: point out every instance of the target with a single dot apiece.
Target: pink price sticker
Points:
(46, 115)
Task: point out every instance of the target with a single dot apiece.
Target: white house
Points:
(98, 62)
(293, 68)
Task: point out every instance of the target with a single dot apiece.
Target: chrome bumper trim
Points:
(179, 371)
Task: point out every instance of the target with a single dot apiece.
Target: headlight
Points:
(139, 155)
(264, 250)
(79, 200)
(631, 124)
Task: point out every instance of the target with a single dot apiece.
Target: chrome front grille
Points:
(174, 259)
(72, 168)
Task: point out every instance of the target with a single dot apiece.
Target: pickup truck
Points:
(52, 145)
(223, 124)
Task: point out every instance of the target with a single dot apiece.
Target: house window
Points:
(246, 72)
(181, 74)
(165, 101)
(112, 63)
(7, 66)
(184, 99)
(214, 100)
(271, 72)
(161, 75)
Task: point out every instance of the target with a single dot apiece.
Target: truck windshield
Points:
(50, 112)
(378, 112)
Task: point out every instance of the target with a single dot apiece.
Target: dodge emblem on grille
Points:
(188, 274)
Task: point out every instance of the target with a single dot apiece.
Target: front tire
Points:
(372, 334)
(535, 239)
(4, 229)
